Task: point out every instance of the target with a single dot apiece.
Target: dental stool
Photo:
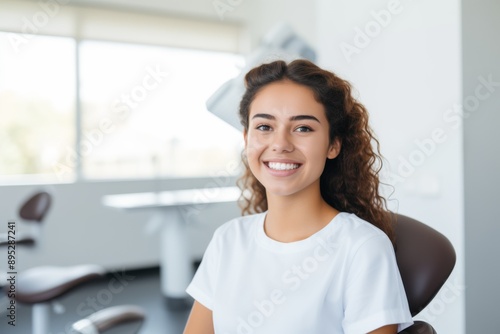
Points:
(123, 319)
(39, 286)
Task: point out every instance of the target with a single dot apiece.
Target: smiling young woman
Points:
(315, 253)
(287, 144)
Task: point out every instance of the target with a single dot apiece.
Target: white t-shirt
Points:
(342, 279)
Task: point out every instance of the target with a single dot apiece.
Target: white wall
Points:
(408, 75)
(481, 59)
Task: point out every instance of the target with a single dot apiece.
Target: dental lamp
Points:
(280, 43)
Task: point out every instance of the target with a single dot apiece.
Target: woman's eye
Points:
(263, 127)
(303, 129)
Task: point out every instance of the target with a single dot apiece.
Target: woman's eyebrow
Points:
(293, 118)
(304, 117)
(266, 116)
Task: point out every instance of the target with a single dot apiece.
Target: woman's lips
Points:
(282, 168)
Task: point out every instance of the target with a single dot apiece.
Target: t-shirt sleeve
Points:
(374, 295)
(202, 286)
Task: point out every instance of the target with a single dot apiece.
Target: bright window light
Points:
(37, 106)
(144, 114)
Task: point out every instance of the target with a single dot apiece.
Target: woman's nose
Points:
(282, 142)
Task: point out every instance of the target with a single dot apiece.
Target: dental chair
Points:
(425, 259)
(33, 211)
(40, 286)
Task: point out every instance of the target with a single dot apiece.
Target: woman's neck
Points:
(296, 217)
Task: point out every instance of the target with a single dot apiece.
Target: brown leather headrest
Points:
(425, 259)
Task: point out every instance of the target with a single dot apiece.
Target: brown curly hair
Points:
(350, 182)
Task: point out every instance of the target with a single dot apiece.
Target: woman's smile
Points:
(281, 168)
(281, 165)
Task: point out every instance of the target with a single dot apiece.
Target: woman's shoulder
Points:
(355, 238)
(239, 226)
(355, 229)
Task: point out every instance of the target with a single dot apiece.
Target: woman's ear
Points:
(245, 136)
(334, 149)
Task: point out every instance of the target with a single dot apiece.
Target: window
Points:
(93, 102)
(144, 114)
(37, 104)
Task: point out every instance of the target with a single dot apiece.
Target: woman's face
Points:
(287, 141)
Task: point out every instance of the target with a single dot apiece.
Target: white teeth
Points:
(282, 166)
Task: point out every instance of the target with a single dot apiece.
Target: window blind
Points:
(61, 18)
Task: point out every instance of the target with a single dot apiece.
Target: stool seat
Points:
(42, 284)
(111, 318)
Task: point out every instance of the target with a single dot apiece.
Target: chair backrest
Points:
(36, 207)
(425, 259)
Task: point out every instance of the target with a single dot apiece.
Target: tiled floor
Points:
(141, 287)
